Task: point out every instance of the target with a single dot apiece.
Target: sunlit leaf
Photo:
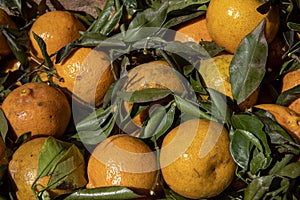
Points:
(68, 172)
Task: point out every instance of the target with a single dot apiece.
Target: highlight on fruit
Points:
(149, 99)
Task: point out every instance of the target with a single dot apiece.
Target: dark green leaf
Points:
(166, 123)
(102, 19)
(18, 43)
(279, 164)
(57, 5)
(288, 96)
(150, 18)
(25, 137)
(64, 52)
(103, 193)
(258, 188)
(92, 137)
(145, 95)
(182, 4)
(176, 20)
(112, 23)
(94, 120)
(271, 126)
(253, 128)
(3, 125)
(171, 195)
(11, 4)
(259, 161)
(293, 26)
(191, 108)
(247, 70)
(42, 46)
(160, 120)
(212, 48)
(291, 170)
(240, 147)
(220, 109)
(194, 79)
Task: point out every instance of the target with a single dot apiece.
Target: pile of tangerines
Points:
(77, 122)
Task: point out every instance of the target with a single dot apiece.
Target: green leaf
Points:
(247, 70)
(102, 19)
(12, 3)
(92, 137)
(240, 147)
(112, 23)
(166, 123)
(252, 127)
(69, 171)
(42, 46)
(51, 153)
(3, 125)
(145, 95)
(63, 162)
(258, 188)
(191, 108)
(259, 161)
(18, 41)
(176, 20)
(220, 109)
(160, 120)
(291, 170)
(182, 4)
(288, 96)
(147, 18)
(293, 26)
(64, 52)
(94, 120)
(115, 193)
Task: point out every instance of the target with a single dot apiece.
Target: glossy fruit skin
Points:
(57, 29)
(122, 160)
(195, 159)
(7, 21)
(86, 73)
(229, 21)
(38, 108)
